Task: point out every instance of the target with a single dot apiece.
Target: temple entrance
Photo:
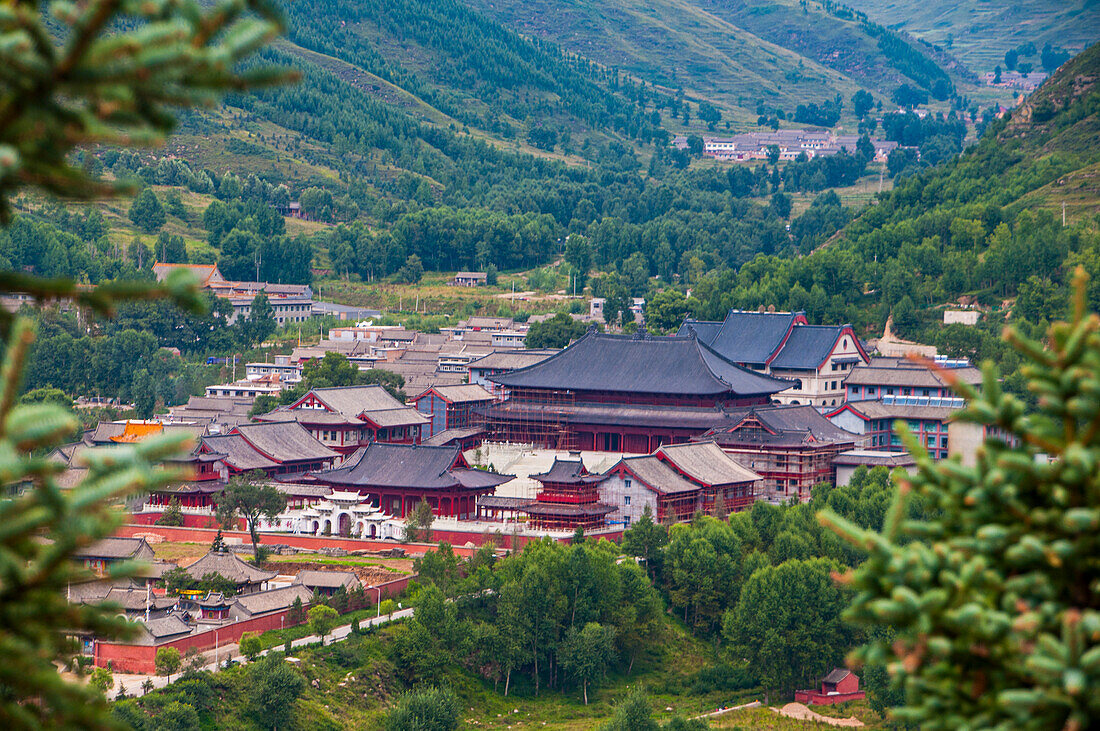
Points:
(345, 524)
(373, 530)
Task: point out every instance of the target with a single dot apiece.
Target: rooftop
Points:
(230, 566)
(459, 393)
(116, 549)
(327, 579)
(512, 359)
(808, 346)
(747, 337)
(408, 466)
(272, 600)
(354, 400)
(649, 365)
(284, 442)
(706, 463)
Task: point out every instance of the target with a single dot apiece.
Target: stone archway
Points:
(343, 522)
(328, 527)
(316, 527)
(373, 530)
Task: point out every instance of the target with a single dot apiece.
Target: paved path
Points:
(133, 682)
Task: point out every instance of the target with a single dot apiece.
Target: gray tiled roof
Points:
(165, 627)
(707, 463)
(749, 337)
(327, 579)
(807, 347)
(565, 471)
(403, 465)
(230, 566)
(461, 393)
(239, 453)
(405, 416)
(512, 359)
(354, 400)
(658, 475)
(116, 549)
(651, 365)
(272, 600)
(285, 442)
(898, 372)
(880, 410)
(447, 436)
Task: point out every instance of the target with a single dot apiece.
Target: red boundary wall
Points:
(457, 539)
(142, 658)
(816, 698)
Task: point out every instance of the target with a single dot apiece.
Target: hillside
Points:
(738, 52)
(980, 32)
(985, 229)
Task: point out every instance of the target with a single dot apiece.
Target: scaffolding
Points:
(540, 417)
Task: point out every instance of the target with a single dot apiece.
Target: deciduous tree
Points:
(251, 497)
(168, 661)
(321, 620)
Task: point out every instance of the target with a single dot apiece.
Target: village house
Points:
(470, 279)
(839, 686)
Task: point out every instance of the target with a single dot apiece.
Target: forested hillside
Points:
(980, 33)
(741, 52)
(986, 229)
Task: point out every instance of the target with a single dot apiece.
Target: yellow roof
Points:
(135, 431)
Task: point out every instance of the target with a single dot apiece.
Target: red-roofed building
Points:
(838, 686)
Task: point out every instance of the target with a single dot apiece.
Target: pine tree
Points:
(146, 212)
(994, 599)
(173, 514)
(99, 72)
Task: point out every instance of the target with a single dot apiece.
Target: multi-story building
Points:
(791, 447)
(675, 483)
(815, 359)
(882, 377)
(451, 407)
(616, 393)
(346, 418)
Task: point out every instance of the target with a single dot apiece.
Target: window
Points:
(626, 500)
(627, 482)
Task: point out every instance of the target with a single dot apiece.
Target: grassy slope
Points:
(981, 32)
(731, 51)
(355, 687)
(676, 43)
